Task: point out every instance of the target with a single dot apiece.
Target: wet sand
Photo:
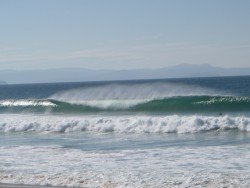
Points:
(3, 185)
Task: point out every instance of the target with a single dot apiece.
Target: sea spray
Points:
(142, 91)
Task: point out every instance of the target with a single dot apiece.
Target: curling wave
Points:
(169, 105)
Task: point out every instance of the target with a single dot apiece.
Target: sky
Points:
(123, 34)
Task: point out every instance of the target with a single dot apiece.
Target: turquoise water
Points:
(148, 133)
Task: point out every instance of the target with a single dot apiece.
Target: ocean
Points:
(191, 132)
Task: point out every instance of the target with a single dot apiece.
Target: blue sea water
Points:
(145, 133)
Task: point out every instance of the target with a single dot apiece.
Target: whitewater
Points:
(122, 124)
(144, 133)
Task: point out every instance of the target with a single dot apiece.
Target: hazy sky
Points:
(123, 34)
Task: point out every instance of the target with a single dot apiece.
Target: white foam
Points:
(212, 166)
(121, 124)
(25, 103)
(224, 99)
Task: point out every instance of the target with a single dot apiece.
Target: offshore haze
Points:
(121, 35)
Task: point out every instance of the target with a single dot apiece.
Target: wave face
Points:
(122, 124)
(163, 97)
(173, 104)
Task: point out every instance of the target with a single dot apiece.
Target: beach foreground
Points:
(4, 185)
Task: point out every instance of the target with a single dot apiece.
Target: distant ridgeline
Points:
(2, 82)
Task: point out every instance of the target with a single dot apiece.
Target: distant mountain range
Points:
(80, 74)
(2, 82)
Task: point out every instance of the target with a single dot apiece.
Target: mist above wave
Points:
(133, 91)
(122, 96)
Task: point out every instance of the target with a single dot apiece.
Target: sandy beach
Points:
(3, 185)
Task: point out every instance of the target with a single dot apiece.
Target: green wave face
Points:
(197, 104)
(168, 105)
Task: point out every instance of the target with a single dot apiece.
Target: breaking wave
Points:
(172, 104)
(122, 124)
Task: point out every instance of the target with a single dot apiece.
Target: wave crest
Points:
(169, 105)
(25, 103)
